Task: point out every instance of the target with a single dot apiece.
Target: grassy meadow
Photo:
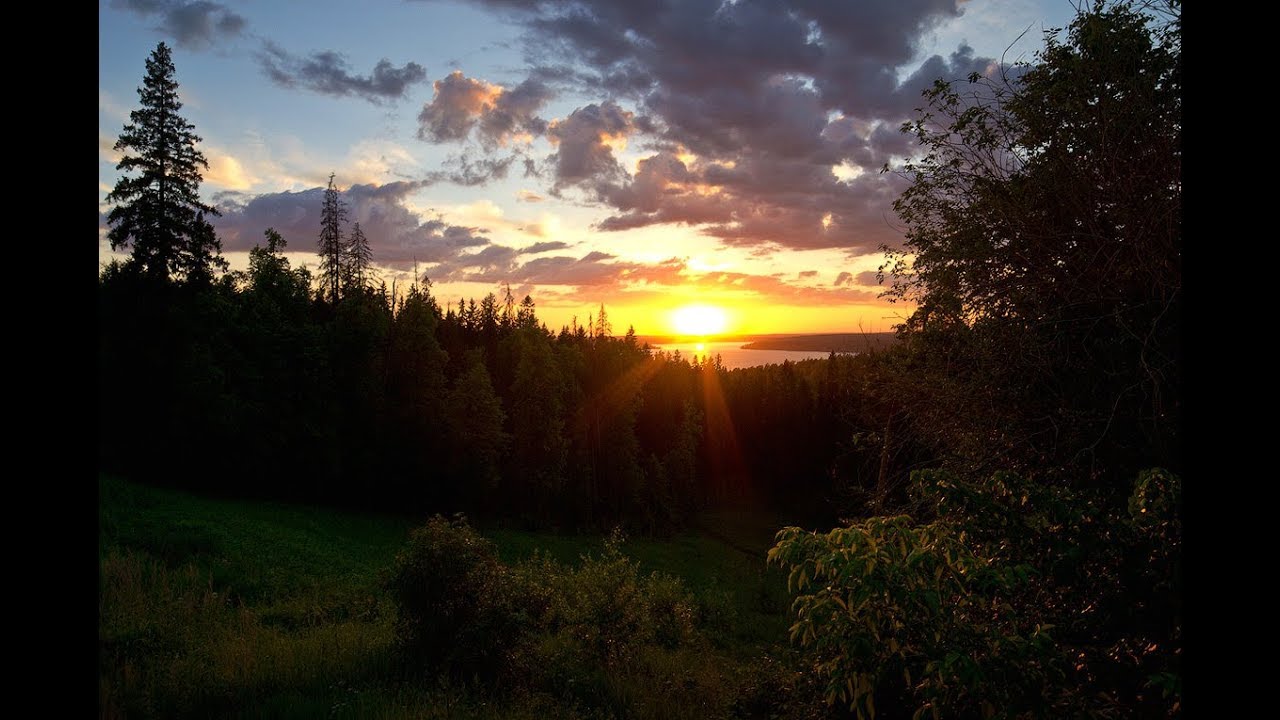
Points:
(218, 608)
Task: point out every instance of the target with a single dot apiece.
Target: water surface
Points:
(733, 356)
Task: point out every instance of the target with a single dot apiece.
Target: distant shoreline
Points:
(823, 342)
(832, 342)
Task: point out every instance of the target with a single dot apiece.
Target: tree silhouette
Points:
(332, 215)
(1044, 248)
(158, 211)
(356, 261)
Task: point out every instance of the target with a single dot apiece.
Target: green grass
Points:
(260, 551)
(223, 608)
(721, 562)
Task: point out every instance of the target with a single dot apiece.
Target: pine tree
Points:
(332, 215)
(508, 307)
(158, 212)
(526, 317)
(603, 328)
(356, 261)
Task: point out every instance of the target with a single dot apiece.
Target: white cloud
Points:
(227, 172)
(376, 162)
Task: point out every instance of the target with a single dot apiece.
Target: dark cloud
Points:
(868, 278)
(461, 104)
(445, 252)
(397, 236)
(623, 285)
(807, 273)
(193, 25)
(752, 108)
(458, 103)
(469, 171)
(515, 112)
(591, 270)
(583, 151)
(760, 201)
(597, 273)
(542, 247)
(664, 190)
(844, 278)
(328, 73)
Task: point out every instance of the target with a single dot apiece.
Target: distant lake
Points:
(733, 356)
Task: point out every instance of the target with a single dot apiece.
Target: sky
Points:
(646, 155)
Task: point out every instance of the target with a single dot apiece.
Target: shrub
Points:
(457, 605)
(1015, 598)
(539, 626)
(610, 609)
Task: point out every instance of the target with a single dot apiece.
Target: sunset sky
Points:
(644, 154)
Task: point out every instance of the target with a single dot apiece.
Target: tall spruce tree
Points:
(332, 251)
(158, 212)
(356, 261)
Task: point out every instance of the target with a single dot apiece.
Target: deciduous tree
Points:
(1044, 246)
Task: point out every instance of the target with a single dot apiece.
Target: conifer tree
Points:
(158, 212)
(332, 215)
(356, 261)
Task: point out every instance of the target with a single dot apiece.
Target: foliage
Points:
(455, 607)
(381, 400)
(476, 438)
(597, 635)
(1015, 598)
(158, 213)
(1043, 251)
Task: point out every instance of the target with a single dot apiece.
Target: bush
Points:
(539, 626)
(1015, 597)
(458, 607)
(607, 608)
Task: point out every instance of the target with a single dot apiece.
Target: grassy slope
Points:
(278, 607)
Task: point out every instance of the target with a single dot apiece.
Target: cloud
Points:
(397, 236)
(598, 273)
(844, 278)
(807, 274)
(453, 112)
(225, 171)
(328, 73)
(194, 25)
(529, 196)
(469, 171)
(449, 251)
(107, 151)
(498, 115)
(585, 142)
(514, 113)
(867, 278)
(767, 123)
(542, 247)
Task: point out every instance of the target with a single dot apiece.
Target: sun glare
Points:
(699, 320)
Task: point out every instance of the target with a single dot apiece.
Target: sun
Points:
(699, 320)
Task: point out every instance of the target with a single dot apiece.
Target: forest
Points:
(980, 519)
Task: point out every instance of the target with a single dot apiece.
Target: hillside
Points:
(218, 607)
